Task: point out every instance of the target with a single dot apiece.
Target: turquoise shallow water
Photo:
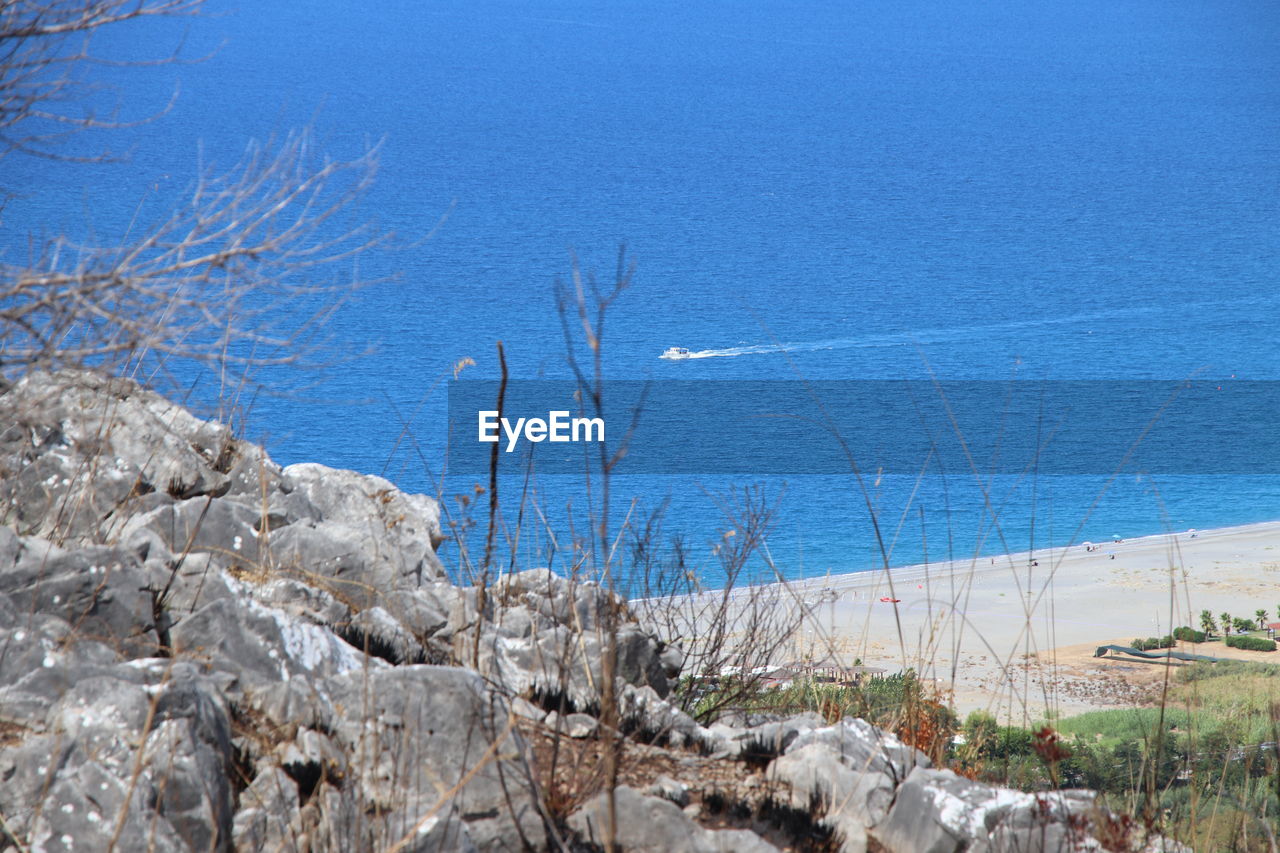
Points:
(827, 190)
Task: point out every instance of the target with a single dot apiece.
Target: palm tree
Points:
(1206, 622)
(1226, 622)
(1262, 618)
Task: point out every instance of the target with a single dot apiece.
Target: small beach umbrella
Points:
(1115, 536)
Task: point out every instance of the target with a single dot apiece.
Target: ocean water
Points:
(822, 191)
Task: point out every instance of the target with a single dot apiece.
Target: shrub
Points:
(1005, 742)
(1189, 635)
(1153, 643)
(1253, 644)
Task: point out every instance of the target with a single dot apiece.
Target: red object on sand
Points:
(889, 600)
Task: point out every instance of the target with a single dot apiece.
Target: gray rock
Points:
(769, 738)
(182, 586)
(26, 645)
(91, 441)
(28, 768)
(253, 477)
(112, 528)
(672, 659)
(40, 662)
(268, 814)
(223, 528)
(1055, 822)
(863, 746)
(560, 661)
(437, 609)
(192, 782)
(937, 811)
(547, 663)
(524, 708)
(311, 749)
(1040, 825)
(104, 716)
(158, 754)
(301, 600)
(101, 592)
(262, 646)
(8, 613)
(518, 621)
(54, 495)
(16, 549)
(573, 725)
(375, 632)
(10, 548)
(653, 825)
(420, 730)
(820, 781)
(642, 709)
(334, 558)
(560, 601)
(83, 806)
(335, 820)
(397, 530)
(670, 789)
(640, 662)
(296, 701)
(740, 841)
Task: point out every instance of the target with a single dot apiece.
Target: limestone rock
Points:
(399, 531)
(268, 815)
(573, 725)
(262, 646)
(90, 442)
(421, 730)
(652, 825)
(100, 591)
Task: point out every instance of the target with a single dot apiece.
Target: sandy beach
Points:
(1017, 633)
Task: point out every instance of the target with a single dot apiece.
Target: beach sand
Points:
(1018, 639)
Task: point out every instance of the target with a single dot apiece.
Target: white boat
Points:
(676, 352)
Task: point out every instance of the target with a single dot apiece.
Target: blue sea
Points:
(870, 190)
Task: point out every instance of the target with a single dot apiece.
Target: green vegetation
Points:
(1207, 623)
(1253, 644)
(1190, 635)
(1205, 759)
(1153, 643)
(1203, 762)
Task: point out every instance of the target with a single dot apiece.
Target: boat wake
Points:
(1084, 321)
(764, 349)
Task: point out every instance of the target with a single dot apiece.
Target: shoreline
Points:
(917, 572)
(1005, 635)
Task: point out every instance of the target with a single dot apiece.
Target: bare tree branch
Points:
(232, 278)
(44, 44)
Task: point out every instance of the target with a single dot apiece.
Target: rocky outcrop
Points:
(201, 650)
(648, 824)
